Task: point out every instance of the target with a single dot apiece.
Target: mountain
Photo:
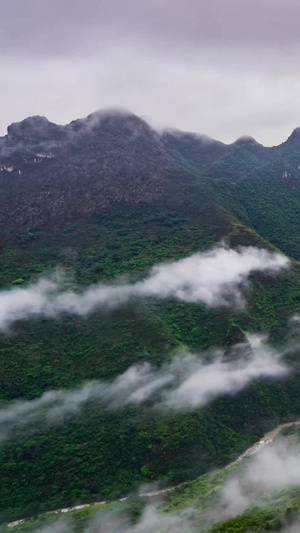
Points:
(105, 199)
(254, 183)
(51, 174)
(226, 499)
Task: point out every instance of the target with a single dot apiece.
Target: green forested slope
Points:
(198, 505)
(100, 454)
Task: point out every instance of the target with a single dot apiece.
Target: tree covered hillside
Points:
(112, 201)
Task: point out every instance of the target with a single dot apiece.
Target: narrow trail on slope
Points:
(264, 441)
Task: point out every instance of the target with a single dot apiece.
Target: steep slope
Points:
(51, 174)
(260, 186)
(200, 505)
(105, 197)
(267, 197)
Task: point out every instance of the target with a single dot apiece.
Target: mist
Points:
(151, 521)
(274, 467)
(183, 384)
(294, 528)
(218, 277)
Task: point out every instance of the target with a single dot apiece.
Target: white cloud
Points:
(275, 466)
(203, 383)
(151, 521)
(216, 277)
(185, 383)
(114, 521)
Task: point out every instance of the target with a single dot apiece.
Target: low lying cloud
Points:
(108, 521)
(61, 526)
(201, 384)
(151, 521)
(274, 467)
(185, 383)
(216, 278)
(294, 528)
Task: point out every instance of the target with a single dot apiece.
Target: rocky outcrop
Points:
(52, 174)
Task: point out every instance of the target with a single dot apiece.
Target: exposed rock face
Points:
(52, 174)
(34, 130)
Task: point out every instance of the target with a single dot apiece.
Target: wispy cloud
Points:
(203, 383)
(274, 467)
(114, 521)
(151, 521)
(185, 383)
(215, 278)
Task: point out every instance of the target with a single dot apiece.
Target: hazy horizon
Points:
(223, 69)
(159, 129)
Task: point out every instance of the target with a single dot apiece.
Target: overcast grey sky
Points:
(224, 68)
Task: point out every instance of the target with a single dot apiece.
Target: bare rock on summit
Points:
(52, 174)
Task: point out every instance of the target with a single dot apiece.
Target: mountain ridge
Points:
(111, 202)
(51, 175)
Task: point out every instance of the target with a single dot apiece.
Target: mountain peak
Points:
(37, 130)
(112, 121)
(33, 128)
(244, 139)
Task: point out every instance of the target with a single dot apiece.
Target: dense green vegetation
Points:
(197, 504)
(251, 201)
(98, 454)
